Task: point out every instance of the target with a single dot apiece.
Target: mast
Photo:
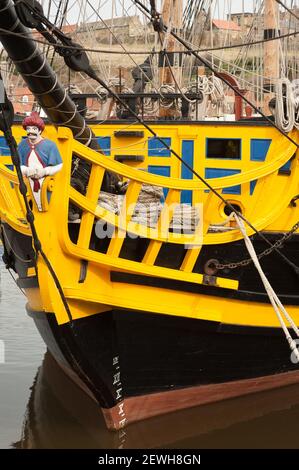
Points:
(271, 50)
(172, 14)
(39, 76)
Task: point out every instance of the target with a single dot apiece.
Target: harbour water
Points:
(41, 408)
(23, 350)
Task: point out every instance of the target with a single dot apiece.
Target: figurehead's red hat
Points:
(34, 120)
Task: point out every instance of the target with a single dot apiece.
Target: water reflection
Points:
(60, 415)
(24, 350)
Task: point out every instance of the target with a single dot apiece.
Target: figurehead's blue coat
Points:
(46, 150)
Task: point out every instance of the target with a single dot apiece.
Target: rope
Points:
(108, 51)
(123, 47)
(276, 303)
(285, 105)
(291, 12)
(211, 67)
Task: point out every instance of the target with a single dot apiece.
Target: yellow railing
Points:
(266, 175)
(271, 197)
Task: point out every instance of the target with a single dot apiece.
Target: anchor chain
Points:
(278, 244)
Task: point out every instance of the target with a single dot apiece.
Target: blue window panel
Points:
(186, 174)
(105, 144)
(220, 173)
(157, 149)
(161, 171)
(4, 149)
(259, 149)
(286, 167)
(252, 186)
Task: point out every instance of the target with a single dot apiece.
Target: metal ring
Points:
(210, 267)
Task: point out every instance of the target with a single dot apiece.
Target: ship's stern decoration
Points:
(40, 157)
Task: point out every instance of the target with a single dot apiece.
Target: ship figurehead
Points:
(40, 157)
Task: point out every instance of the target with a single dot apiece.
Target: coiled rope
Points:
(285, 105)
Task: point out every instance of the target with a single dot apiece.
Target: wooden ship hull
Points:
(49, 414)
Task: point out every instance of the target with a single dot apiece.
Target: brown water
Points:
(41, 408)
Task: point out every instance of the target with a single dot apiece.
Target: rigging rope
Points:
(276, 303)
(109, 51)
(210, 67)
(123, 47)
(287, 9)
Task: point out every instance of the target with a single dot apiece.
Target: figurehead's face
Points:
(33, 133)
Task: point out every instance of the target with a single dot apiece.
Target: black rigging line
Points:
(287, 9)
(12, 144)
(190, 51)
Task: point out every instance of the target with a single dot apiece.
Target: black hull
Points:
(122, 355)
(56, 405)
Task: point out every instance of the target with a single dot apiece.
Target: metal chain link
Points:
(267, 252)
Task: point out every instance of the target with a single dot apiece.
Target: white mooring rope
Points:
(276, 303)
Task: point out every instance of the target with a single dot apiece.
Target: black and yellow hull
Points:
(151, 329)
